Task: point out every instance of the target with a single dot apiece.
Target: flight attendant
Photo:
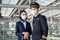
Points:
(23, 28)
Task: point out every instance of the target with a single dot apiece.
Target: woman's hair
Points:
(21, 13)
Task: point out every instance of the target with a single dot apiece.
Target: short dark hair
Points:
(21, 13)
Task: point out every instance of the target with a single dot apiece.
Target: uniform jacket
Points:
(20, 28)
(40, 27)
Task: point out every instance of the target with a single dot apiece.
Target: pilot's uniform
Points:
(40, 27)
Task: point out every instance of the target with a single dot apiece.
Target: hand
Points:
(42, 39)
(26, 34)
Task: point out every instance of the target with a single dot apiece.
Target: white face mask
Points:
(23, 17)
(33, 12)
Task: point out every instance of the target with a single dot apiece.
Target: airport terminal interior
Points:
(9, 15)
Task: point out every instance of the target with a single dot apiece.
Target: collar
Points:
(22, 20)
(36, 15)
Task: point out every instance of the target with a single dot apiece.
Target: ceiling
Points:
(45, 2)
(7, 11)
(51, 13)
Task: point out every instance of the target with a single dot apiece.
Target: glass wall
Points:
(7, 31)
(54, 28)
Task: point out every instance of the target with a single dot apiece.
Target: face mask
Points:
(33, 12)
(23, 17)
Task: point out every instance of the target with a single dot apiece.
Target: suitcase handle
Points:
(22, 34)
(23, 37)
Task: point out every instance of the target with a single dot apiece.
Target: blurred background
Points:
(9, 15)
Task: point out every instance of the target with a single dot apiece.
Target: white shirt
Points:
(24, 24)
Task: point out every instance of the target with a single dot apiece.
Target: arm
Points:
(17, 29)
(30, 30)
(44, 27)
